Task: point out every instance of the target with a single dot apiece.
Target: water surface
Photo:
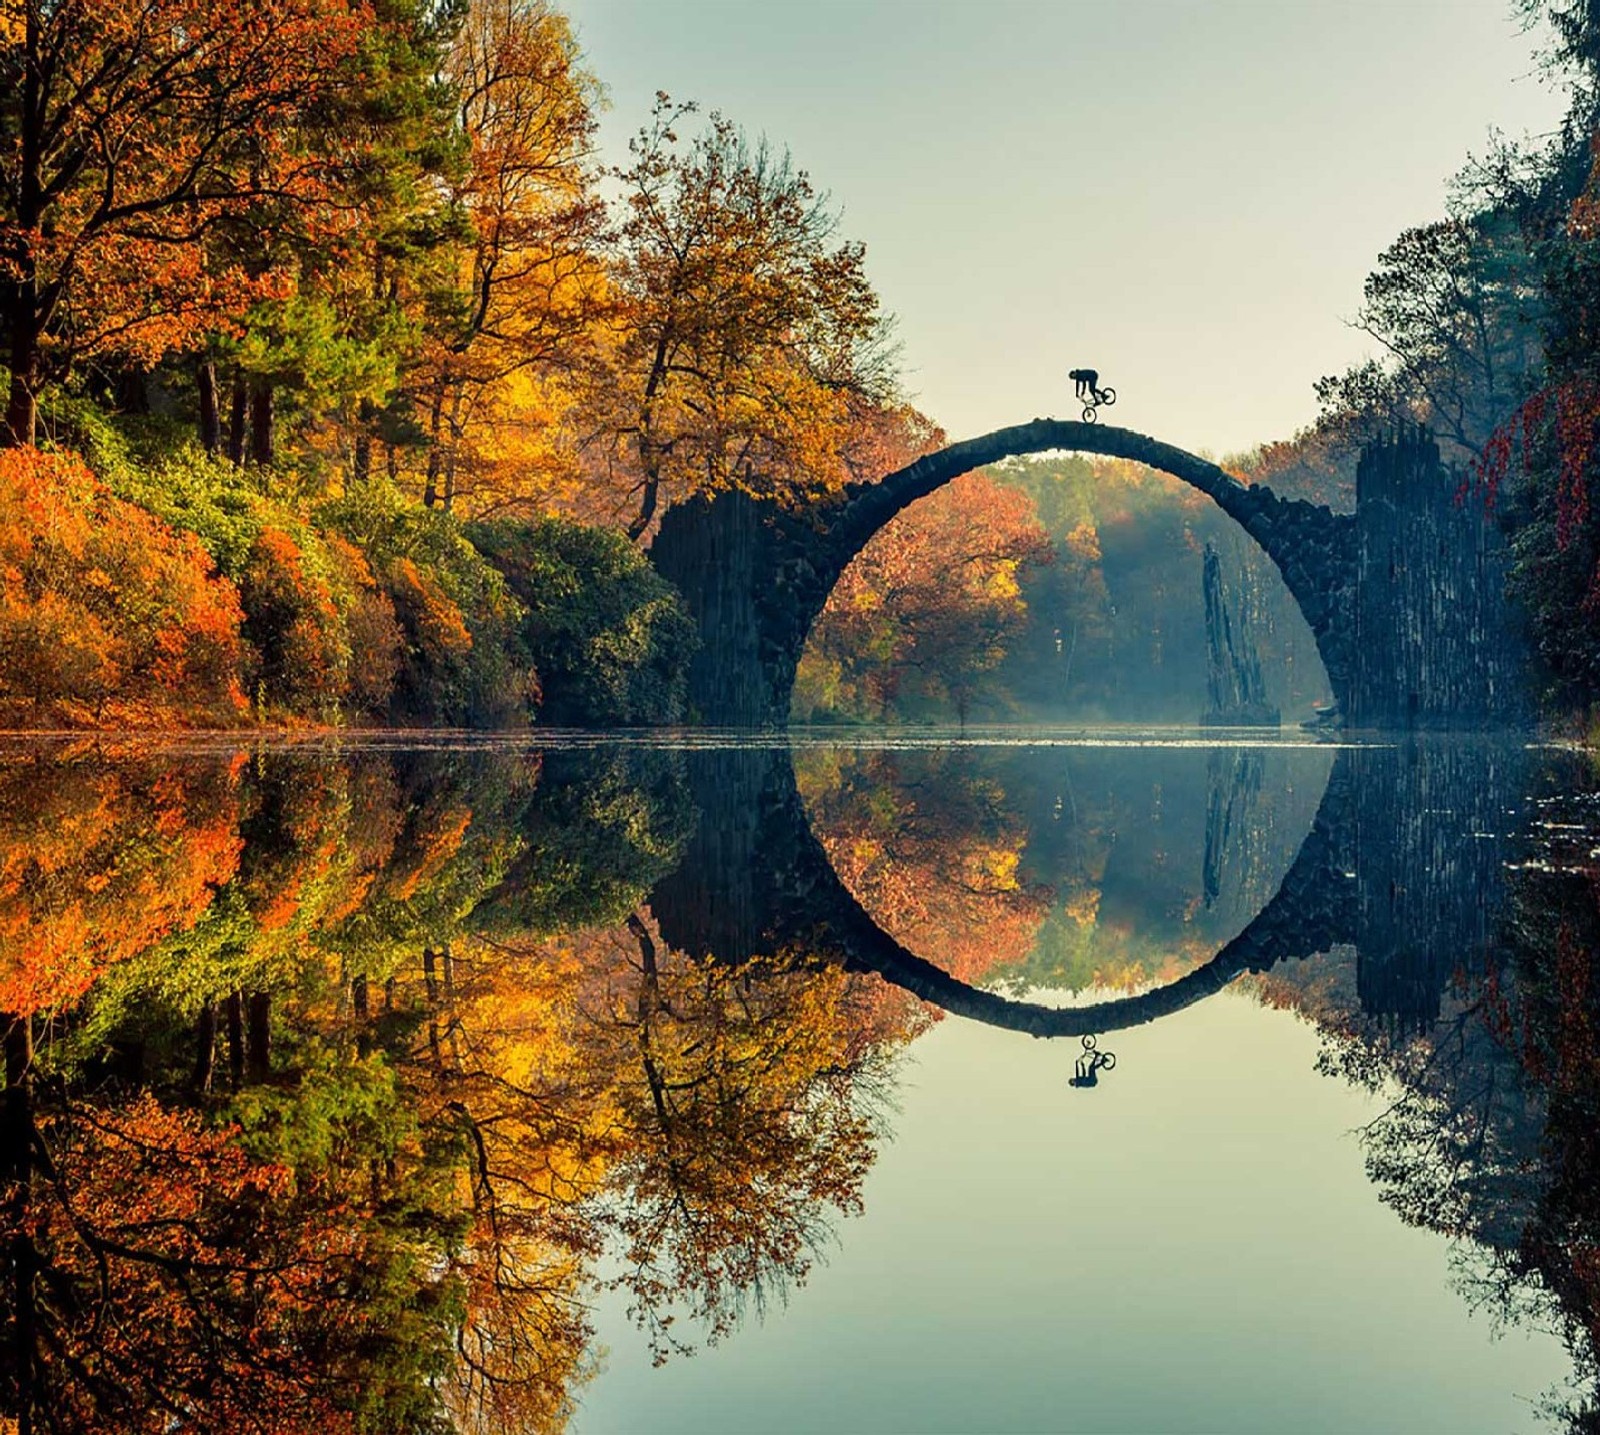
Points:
(716, 1082)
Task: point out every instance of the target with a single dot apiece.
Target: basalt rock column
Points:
(1436, 642)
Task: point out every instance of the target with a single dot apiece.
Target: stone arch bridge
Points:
(1403, 596)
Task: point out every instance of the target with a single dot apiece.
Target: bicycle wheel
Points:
(1108, 396)
(1108, 1060)
(1089, 1043)
(1088, 413)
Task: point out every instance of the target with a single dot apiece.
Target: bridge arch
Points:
(758, 575)
(755, 880)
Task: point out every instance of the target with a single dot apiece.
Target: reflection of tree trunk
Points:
(259, 1044)
(205, 1048)
(431, 983)
(16, 1114)
(235, 1014)
(649, 1005)
(362, 461)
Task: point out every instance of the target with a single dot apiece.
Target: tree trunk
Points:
(205, 377)
(455, 445)
(236, 418)
(647, 510)
(205, 1056)
(259, 1044)
(131, 392)
(23, 319)
(358, 1000)
(261, 421)
(22, 403)
(430, 489)
(19, 1050)
(235, 1013)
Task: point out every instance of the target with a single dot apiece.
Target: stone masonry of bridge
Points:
(1403, 596)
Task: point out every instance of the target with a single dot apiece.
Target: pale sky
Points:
(1186, 196)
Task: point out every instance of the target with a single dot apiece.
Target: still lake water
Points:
(701, 1083)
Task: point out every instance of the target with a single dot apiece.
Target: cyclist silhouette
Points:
(1091, 1064)
(1086, 389)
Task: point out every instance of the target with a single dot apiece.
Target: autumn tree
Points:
(933, 851)
(127, 134)
(743, 330)
(1455, 306)
(929, 605)
(527, 286)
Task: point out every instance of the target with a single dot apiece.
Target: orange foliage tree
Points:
(129, 131)
(99, 862)
(742, 331)
(935, 857)
(930, 604)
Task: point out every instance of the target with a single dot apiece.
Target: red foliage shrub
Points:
(377, 643)
(107, 616)
(294, 626)
(438, 643)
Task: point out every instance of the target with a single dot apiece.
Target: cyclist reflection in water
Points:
(1092, 1063)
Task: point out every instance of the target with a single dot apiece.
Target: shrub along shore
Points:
(179, 594)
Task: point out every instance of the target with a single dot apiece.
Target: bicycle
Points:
(1106, 396)
(1091, 1064)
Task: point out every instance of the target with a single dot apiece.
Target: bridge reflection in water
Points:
(403, 1041)
(1405, 861)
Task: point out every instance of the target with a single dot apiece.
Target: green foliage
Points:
(464, 660)
(601, 831)
(609, 636)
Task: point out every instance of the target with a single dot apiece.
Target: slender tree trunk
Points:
(22, 403)
(236, 420)
(650, 496)
(205, 377)
(430, 489)
(235, 1014)
(19, 1050)
(261, 421)
(22, 1255)
(366, 410)
(259, 1044)
(431, 985)
(205, 1057)
(455, 446)
(131, 391)
(359, 1001)
(24, 321)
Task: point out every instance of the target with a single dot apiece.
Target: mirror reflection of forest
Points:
(345, 1083)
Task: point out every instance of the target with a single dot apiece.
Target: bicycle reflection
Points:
(1092, 1063)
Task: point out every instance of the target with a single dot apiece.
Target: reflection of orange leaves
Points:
(95, 865)
(440, 843)
(942, 873)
